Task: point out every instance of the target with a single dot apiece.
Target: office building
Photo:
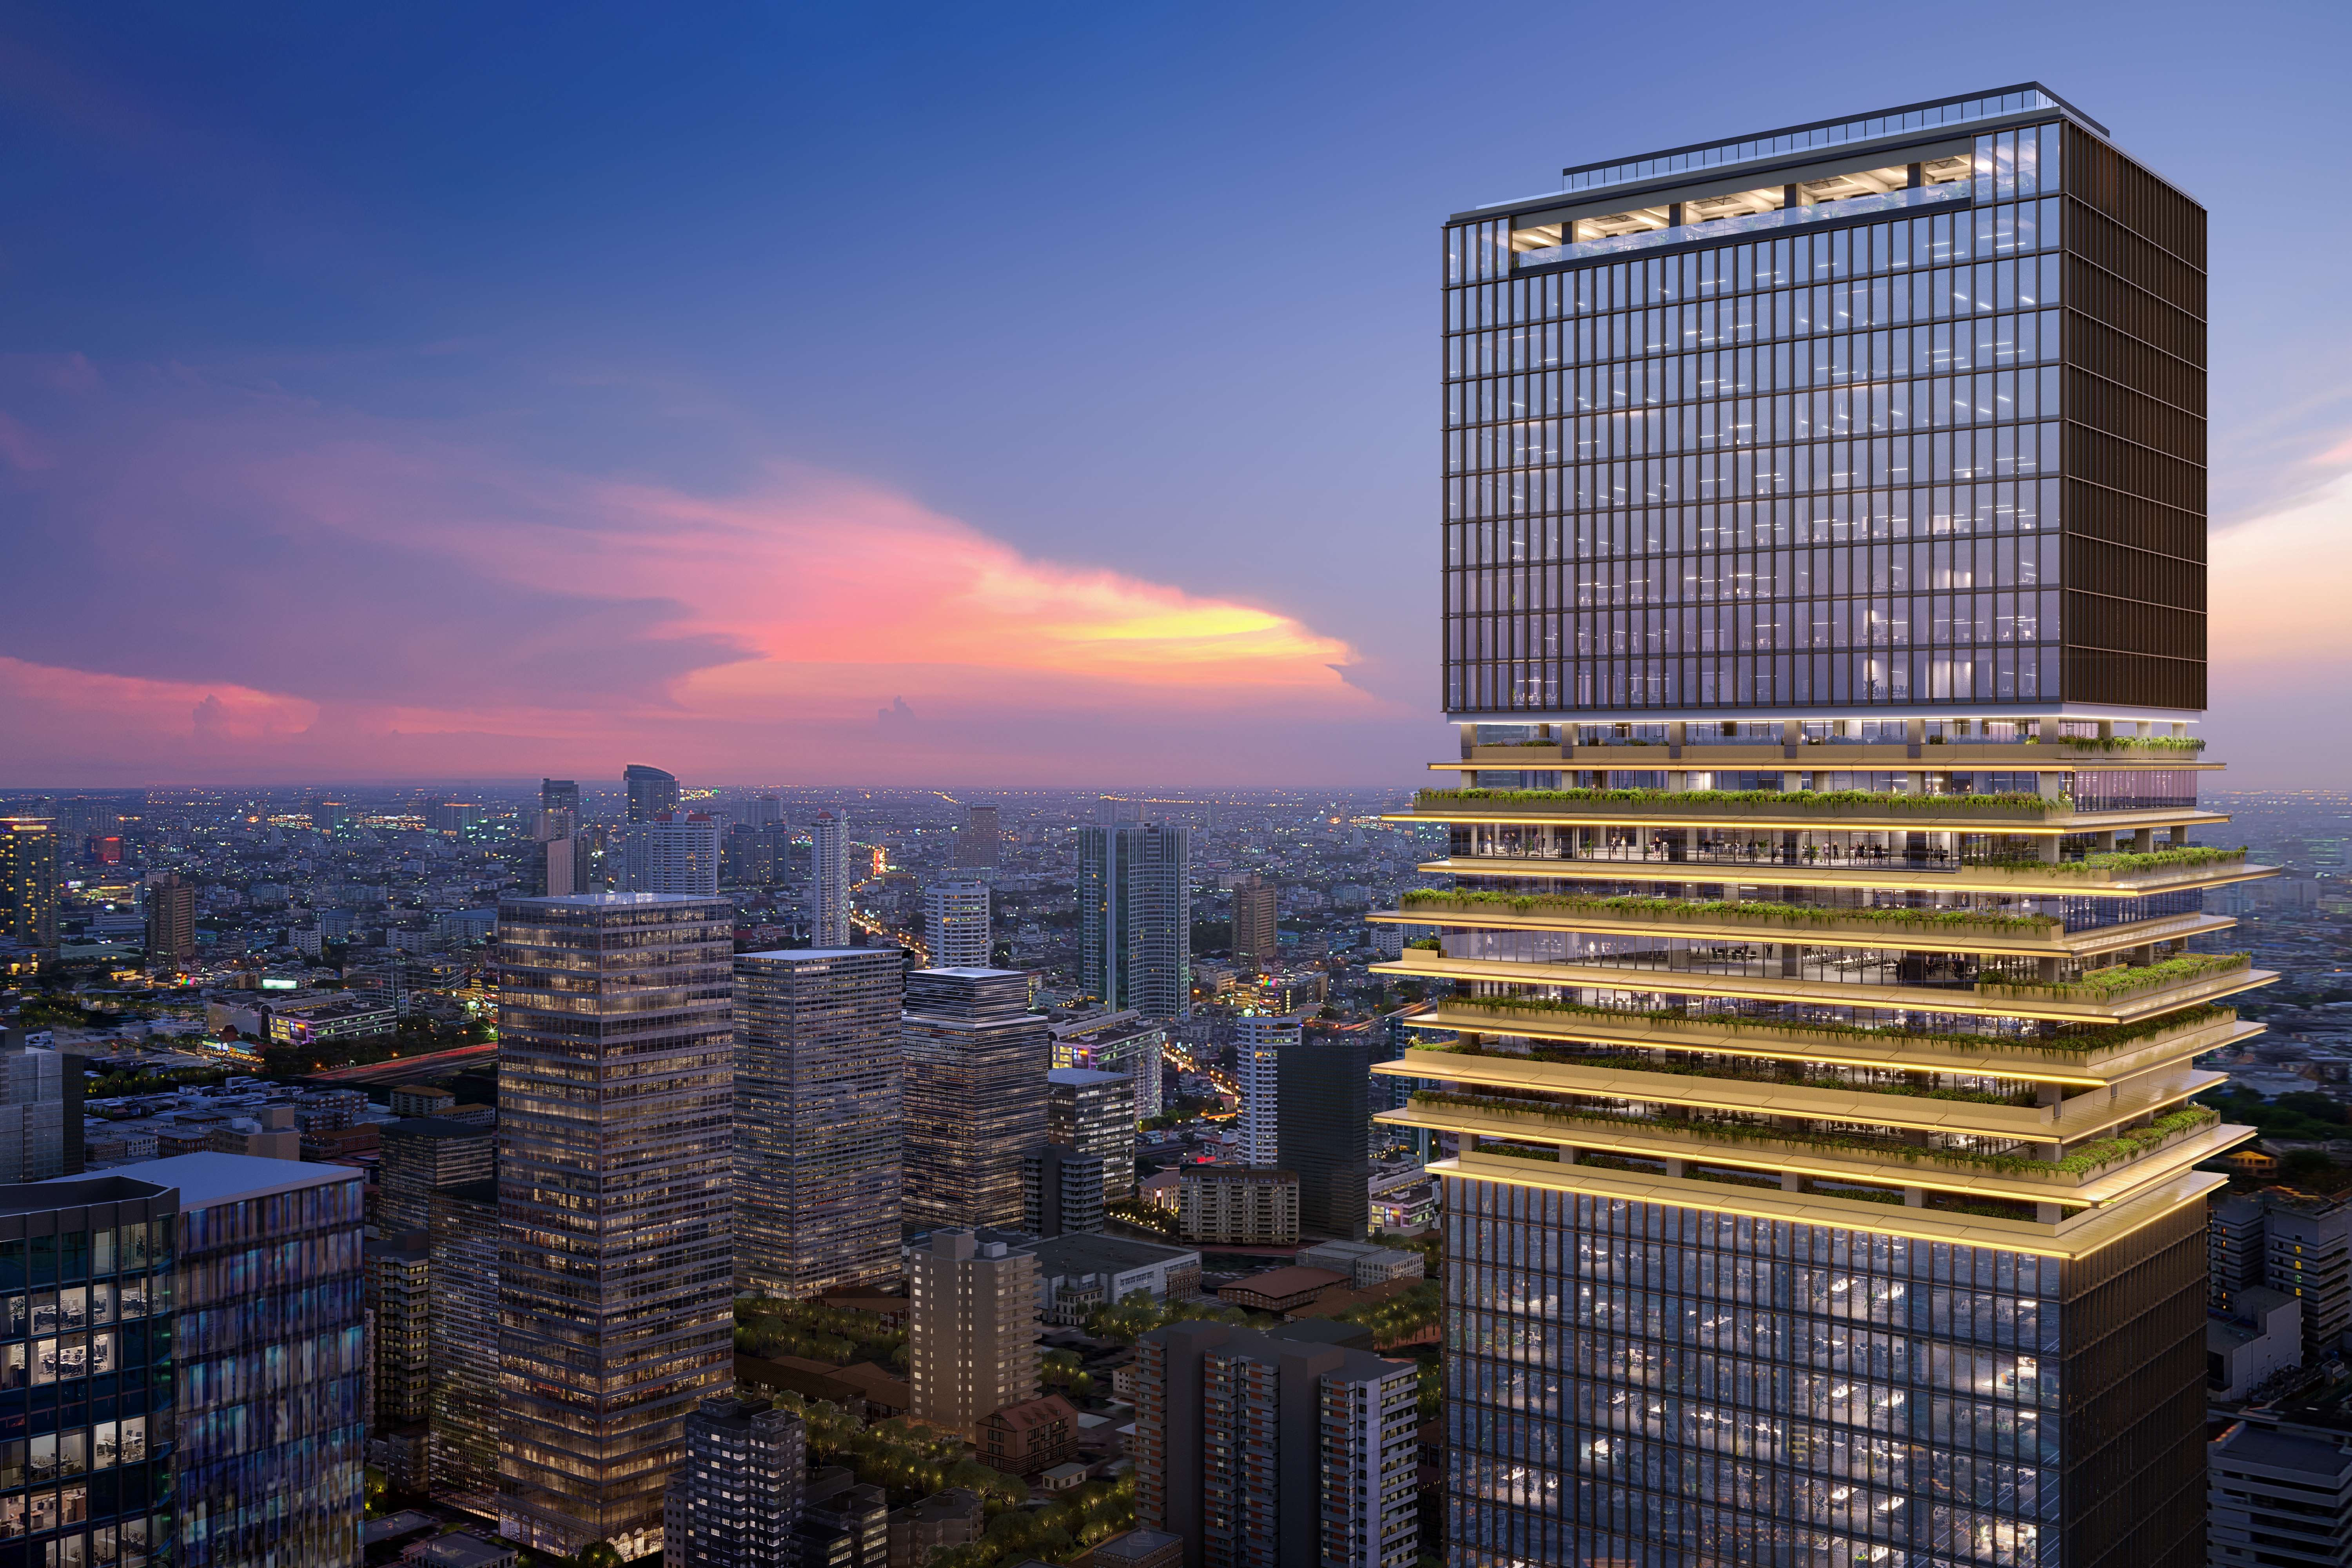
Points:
(1254, 927)
(1078, 1272)
(1823, 547)
(462, 1338)
(1135, 917)
(2286, 1240)
(674, 852)
(651, 791)
(559, 807)
(170, 920)
(829, 882)
(1093, 1112)
(97, 1252)
(1323, 1125)
(28, 883)
(971, 1335)
(422, 1155)
(396, 1276)
(818, 1076)
(760, 811)
(735, 1499)
(1258, 1044)
(1263, 1452)
(616, 1152)
(1237, 1206)
(40, 1113)
(956, 925)
(2279, 1498)
(976, 1065)
(1061, 1191)
(269, 1470)
(1121, 1042)
(980, 842)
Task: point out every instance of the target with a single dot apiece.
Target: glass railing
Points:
(1748, 223)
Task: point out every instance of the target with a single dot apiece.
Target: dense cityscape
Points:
(1828, 1071)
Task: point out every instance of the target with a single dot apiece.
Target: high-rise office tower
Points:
(615, 1149)
(29, 882)
(1094, 1112)
(829, 880)
(398, 1276)
(103, 1424)
(652, 792)
(981, 840)
(272, 1469)
(1135, 917)
(1061, 1191)
(955, 925)
(674, 852)
(40, 1114)
(462, 1251)
(1823, 541)
(559, 807)
(761, 811)
(735, 1499)
(1121, 1042)
(818, 1078)
(421, 1155)
(1253, 922)
(170, 920)
(976, 1065)
(1261, 1451)
(972, 1327)
(1323, 1125)
(1257, 1073)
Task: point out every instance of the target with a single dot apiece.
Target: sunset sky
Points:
(926, 395)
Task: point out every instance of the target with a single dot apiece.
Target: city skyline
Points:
(340, 377)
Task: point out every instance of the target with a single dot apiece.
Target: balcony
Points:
(2121, 874)
(1865, 809)
(1841, 754)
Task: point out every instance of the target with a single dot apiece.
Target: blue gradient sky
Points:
(422, 395)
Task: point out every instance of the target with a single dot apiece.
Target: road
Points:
(429, 1064)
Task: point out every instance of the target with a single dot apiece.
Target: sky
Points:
(933, 394)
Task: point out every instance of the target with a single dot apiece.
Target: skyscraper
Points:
(614, 1170)
(818, 1076)
(1261, 1451)
(104, 1424)
(981, 840)
(1135, 917)
(559, 807)
(29, 882)
(462, 1251)
(170, 920)
(829, 880)
(976, 1065)
(1824, 534)
(736, 1499)
(1254, 930)
(956, 925)
(652, 792)
(1257, 1073)
(1094, 1112)
(972, 1327)
(1323, 1125)
(422, 1154)
(674, 852)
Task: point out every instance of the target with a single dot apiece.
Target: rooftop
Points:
(205, 1180)
(1078, 1253)
(73, 1192)
(615, 901)
(1083, 1075)
(2252, 1445)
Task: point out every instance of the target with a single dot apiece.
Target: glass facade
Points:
(615, 1196)
(1828, 468)
(87, 1429)
(975, 1095)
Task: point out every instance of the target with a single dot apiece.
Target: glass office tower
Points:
(1823, 550)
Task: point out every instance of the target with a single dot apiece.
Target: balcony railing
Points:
(1782, 219)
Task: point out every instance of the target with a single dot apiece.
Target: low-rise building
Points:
(1282, 1290)
(1025, 1438)
(2261, 1334)
(2277, 1499)
(1077, 1273)
(1365, 1264)
(1238, 1205)
(940, 1523)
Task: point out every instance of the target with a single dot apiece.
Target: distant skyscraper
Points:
(956, 925)
(1121, 1042)
(674, 852)
(104, 1424)
(462, 1247)
(1061, 1191)
(761, 811)
(615, 1149)
(1323, 1123)
(272, 1469)
(1094, 1112)
(421, 1155)
(971, 1338)
(735, 1501)
(980, 842)
(976, 1065)
(652, 792)
(1135, 917)
(40, 1114)
(29, 882)
(1255, 928)
(819, 1073)
(170, 920)
(1266, 1452)
(559, 807)
(829, 880)
(1257, 1073)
